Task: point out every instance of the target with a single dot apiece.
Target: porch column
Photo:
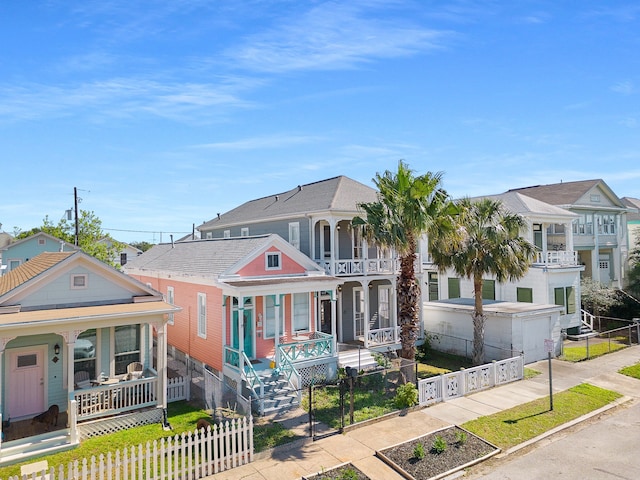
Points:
(70, 366)
(544, 242)
(162, 365)
(568, 236)
(332, 239)
(367, 313)
(1, 370)
(393, 307)
(333, 322)
(241, 338)
(276, 338)
(316, 311)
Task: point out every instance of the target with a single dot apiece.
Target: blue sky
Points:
(164, 113)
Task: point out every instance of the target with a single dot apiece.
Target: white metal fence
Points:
(186, 456)
(470, 380)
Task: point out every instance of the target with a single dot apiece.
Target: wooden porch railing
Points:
(383, 336)
(557, 257)
(316, 344)
(121, 397)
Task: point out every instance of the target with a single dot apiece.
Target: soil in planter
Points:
(343, 472)
(457, 453)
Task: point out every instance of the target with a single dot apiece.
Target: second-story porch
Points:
(341, 249)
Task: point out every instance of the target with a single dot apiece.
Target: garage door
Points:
(534, 332)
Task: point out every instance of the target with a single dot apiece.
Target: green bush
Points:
(439, 445)
(461, 437)
(418, 451)
(406, 396)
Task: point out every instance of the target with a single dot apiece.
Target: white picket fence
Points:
(190, 455)
(469, 380)
(178, 389)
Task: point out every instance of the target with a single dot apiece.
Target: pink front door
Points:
(25, 381)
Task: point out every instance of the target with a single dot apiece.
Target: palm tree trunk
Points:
(478, 322)
(408, 304)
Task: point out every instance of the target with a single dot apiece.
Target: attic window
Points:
(272, 261)
(595, 198)
(41, 241)
(78, 281)
(244, 232)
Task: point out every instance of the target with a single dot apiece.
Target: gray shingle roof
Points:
(210, 257)
(521, 204)
(632, 203)
(337, 194)
(564, 193)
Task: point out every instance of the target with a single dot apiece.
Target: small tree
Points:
(597, 297)
(90, 236)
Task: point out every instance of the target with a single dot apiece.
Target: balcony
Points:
(360, 266)
(560, 258)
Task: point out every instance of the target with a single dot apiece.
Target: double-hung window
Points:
(127, 346)
(300, 312)
(294, 234)
(270, 316)
(202, 315)
(170, 301)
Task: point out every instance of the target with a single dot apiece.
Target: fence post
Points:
(73, 422)
(588, 357)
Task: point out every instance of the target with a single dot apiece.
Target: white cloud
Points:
(262, 142)
(333, 35)
(626, 87)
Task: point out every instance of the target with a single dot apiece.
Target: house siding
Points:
(257, 266)
(279, 227)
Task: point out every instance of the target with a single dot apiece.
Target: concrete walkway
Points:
(358, 446)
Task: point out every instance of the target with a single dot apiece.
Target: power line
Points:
(141, 231)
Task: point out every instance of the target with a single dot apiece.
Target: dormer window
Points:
(273, 261)
(78, 281)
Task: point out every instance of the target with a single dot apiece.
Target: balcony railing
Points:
(100, 401)
(383, 336)
(557, 257)
(307, 346)
(360, 266)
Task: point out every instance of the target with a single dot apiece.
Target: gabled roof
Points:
(31, 269)
(516, 202)
(212, 258)
(47, 265)
(633, 215)
(566, 193)
(337, 194)
(40, 234)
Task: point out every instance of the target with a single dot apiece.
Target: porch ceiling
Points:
(309, 283)
(78, 314)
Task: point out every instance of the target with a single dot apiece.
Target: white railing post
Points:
(73, 421)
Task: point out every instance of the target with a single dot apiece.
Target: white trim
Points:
(72, 281)
(278, 263)
(202, 315)
(170, 300)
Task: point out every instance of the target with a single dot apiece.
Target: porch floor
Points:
(23, 428)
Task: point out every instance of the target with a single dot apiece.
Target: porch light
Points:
(56, 349)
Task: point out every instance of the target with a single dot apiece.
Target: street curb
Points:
(615, 404)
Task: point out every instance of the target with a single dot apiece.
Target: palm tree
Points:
(407, 207)
(488, 242)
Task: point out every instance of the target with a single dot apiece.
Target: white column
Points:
(276, 340)
(332, 237)
(334, 321)
(568, 236)
(162, 365)
(367, 313)
(393, 307)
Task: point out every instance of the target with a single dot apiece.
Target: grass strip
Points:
(578, 354)
(631, 371)
(524, 422)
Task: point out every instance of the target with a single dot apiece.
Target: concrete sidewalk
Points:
(358, 446)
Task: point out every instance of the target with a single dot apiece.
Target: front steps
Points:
(35, 446)
(354, 357)
(278, 394)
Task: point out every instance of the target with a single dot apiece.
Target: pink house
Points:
(250, 309)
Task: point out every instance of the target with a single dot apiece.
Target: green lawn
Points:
(577, 354)
(631, 371)
(182, 417)
(530, 373)
(524, 422)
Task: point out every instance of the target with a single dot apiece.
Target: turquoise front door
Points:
(247, 316)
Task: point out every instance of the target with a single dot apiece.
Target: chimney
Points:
(171, 237)
(218, 216)
(299, 188)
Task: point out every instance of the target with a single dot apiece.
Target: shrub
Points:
(418, 451)
(439, 445)
(461, 437)
(406, 396)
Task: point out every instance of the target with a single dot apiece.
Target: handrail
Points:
(587, 318)
(253, 379)
(288, 369)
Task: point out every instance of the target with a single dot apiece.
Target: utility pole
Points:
(75, 203)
